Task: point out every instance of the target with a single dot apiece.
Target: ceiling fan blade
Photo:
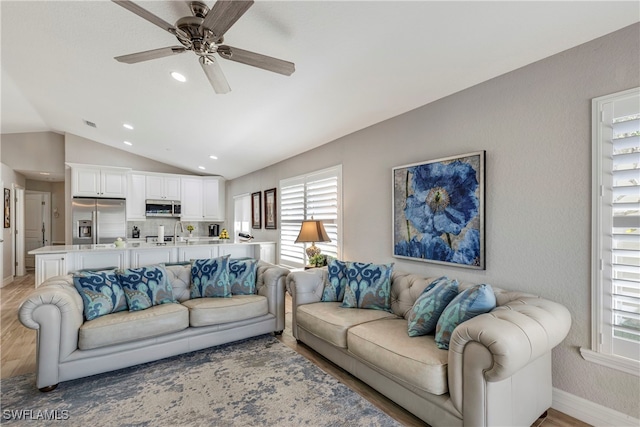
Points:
(257, 60)
(215, 75)
(145, 14)
(224, 14)
(150, 54)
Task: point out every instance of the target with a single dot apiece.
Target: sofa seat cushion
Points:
(330, 321)
(215, 311)
(414, 360)
(127, 326)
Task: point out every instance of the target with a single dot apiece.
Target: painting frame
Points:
(256, 210)
(270, 209)
(7, 208)
(438, 211)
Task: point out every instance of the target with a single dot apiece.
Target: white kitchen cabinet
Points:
(213, 199)
(99, 259)
(136, 196)
(142, 257)
(50, 265)
(92, 181)
(268, 252)
(240, 251)
(191, 189)
(163, 187)
(187, 253)
(203, 199)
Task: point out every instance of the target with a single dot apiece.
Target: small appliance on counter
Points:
(135, 234)
(214, 230)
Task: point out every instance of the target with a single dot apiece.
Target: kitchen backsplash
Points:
(150, 227)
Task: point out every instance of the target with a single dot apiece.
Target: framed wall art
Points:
(270, 209)
(256, 210)
(7, 208)
(438, 211)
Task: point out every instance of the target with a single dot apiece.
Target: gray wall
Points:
(34, 151)
(10, 178)
(535, 125)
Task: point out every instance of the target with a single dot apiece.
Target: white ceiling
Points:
(357, 63)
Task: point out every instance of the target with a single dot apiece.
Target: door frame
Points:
(18, 268)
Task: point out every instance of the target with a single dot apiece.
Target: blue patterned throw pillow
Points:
(210, 278)
(145, 287)
(467, 304)
(426, 311)
(334, 291)
(242, 276)
(368, 286)
(101, 293)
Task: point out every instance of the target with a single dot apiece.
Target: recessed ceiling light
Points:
(45, 173)
(127, 126)
(212, 157)
(179, 77)
(201, 167)
(127, 143)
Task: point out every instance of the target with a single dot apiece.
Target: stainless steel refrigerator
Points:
(98, 221)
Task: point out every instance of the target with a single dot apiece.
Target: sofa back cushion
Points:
(179, 275)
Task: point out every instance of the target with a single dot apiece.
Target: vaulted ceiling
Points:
(357, 63)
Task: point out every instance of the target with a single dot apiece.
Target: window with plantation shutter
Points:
(316, 195)
(616, 232)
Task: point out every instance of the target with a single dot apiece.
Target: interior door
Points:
(35, 223)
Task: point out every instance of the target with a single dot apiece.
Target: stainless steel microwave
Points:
(170, 208)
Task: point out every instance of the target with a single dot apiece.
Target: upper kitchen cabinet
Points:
(96, 181)
(136, 197)
(203, 199)
(163, 187)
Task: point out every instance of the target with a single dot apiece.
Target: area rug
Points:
(255, 382)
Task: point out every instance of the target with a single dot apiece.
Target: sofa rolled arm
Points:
(55, 310)
(514, 334)
(270, 283)
(306, 286)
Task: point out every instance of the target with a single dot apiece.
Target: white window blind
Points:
(616, 235)
(316, 195)
(242, 214)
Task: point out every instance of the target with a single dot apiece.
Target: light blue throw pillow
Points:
(334, 290)
(210, 278)
(368, 286)
(426, 311)
(467, 304)
(242, 276)
(146, 286)
(101, 292)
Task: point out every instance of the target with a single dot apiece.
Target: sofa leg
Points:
(278, 332)
(48, 388)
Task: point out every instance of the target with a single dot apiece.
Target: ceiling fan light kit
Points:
(203, 34)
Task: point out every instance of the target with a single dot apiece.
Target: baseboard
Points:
(6, 281)
(589, 412)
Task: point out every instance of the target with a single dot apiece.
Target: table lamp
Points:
(312, 231)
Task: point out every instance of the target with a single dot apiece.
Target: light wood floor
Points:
(18, 354)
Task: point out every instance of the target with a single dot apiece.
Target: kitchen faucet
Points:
(175, 233)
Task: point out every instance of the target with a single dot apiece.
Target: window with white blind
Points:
(315, 195)
(616, 232)
(242, 214)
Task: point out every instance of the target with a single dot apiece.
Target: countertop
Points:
(135, 245)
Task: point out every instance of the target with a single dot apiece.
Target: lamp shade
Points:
(312, 231)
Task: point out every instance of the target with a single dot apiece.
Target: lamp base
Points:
(312, 250)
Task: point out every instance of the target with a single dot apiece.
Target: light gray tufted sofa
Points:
(69, 347)
(497, 371)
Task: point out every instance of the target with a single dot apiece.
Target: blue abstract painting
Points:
(438, 211)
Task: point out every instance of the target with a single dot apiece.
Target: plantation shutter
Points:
(314, 195)
(619, 234)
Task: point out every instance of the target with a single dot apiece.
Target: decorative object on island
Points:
(438, 211)
(256, 210)
(312, 231)
(270, 209)
(7, 208)
(224, 234)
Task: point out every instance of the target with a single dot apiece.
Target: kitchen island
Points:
(59, 260)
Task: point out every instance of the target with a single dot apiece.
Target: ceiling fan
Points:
(203, 34)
